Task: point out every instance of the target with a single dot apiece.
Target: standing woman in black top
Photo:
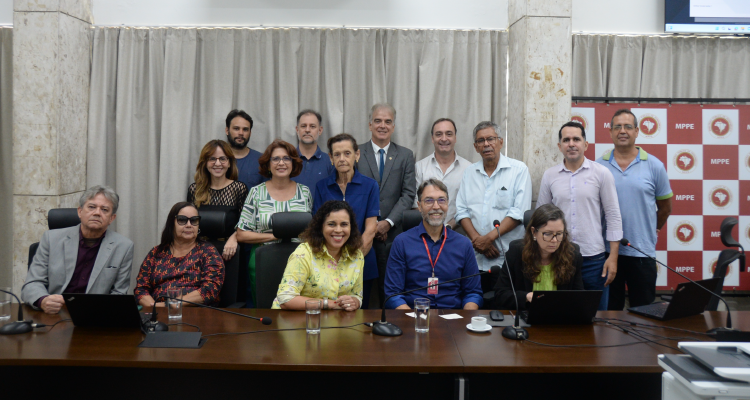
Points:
(216, 187)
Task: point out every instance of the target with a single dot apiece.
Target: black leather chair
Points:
(215, 228)
(271, 259)
(57, 218)
(411, 219)
(726, 257)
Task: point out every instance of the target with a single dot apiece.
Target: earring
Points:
(535, 239)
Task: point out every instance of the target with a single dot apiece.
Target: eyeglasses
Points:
(627, 127)
(221, 160)
(489, 140)
(183, 220)
(442, 201)
(285, 159)
(548, 236)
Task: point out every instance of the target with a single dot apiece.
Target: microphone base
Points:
(151, 327)
(730, 335)
(515, 333)
(15, 328)
(381, 328)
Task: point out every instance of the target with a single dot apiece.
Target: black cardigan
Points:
(504, 293)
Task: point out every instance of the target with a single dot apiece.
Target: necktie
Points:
(382, 163)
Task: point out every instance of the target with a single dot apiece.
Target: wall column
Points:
(51, 71)
(539, 87)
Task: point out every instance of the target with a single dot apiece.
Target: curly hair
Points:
(265, 160)
(313, 235)
(203, 177)
(563, 268)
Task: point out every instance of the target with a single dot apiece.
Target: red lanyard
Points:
(445, 236)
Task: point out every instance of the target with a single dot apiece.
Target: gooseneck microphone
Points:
(625, 242)
(515, 332)
(19, 326)
(385, 328)
(263, 320)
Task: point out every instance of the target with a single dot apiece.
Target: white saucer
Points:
(487, 328)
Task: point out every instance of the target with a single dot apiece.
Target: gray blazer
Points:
(398, 188)
(56, 257)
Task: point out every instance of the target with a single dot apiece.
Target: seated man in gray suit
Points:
(392, 166)
(86, 258)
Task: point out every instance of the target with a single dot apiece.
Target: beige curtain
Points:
(6, 154)
(661, 66)
(157, 95)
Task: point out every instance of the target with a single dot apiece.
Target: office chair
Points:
(271, 259)
(57, 218)
(216, 228)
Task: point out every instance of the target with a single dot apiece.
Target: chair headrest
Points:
(411, 219)
(289, 225)
(213, 223)
(59, 218)
(527, 217)
(727, 225)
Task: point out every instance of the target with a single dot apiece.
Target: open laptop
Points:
(688, 299)
(103, 310)
(563, 307)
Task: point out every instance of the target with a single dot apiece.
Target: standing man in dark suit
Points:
(392, 167)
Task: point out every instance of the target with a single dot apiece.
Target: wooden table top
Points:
(448, 348)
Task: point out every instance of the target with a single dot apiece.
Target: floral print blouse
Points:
(319, 276)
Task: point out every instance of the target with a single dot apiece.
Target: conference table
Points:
(345, 359)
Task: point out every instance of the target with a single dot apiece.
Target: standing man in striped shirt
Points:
(584, 190)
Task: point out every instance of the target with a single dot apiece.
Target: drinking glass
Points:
(175, 306)
(312, 310)
(4, 304)
(422, 314)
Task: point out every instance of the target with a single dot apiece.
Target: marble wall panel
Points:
(539, 91)
(70, 200)
(518, 9)
(74, 58)
(35, 68)
(29, 223)
(80, 9)
(32, 140)
(36, 5)
(35, 175)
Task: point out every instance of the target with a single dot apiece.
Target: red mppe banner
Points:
(706, 150)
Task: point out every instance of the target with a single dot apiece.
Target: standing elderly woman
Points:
(280, 162)
(362, 194)
(181, 261)
(544, 259)
(216, 187)
(327, 265)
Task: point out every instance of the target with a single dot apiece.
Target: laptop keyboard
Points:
(656, 309)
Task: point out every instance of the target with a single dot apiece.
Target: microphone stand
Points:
(385, 328)
(715, 331)
(19, 326)
(515, 332)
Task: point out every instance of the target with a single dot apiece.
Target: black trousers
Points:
(639, 273)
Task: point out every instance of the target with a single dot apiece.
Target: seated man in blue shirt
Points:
(429, 253)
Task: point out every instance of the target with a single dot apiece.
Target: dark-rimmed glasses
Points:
(183, 220)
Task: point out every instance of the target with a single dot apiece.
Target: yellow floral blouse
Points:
(319, 276)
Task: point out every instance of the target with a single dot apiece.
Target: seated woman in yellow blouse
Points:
(328, 265)
(545, 259)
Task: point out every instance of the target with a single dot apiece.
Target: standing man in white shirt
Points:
(584, 190)
(444, 165)
(496, 188)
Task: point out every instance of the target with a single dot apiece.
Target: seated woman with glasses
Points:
(280, 162)
(181, 261)
(544, 259)
(216, 188)
(328, 265)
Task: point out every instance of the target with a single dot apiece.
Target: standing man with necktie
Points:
(392, 166)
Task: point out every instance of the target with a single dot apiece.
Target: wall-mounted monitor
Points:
(720, 17)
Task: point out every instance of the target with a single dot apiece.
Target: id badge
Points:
(433, 289)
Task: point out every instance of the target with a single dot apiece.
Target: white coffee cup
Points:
(479, 323)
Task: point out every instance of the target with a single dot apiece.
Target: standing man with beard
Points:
(316, 164)
(429, 254)
(238, 130)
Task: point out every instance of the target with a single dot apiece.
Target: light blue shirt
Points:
(642, 183)
(507, 193)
